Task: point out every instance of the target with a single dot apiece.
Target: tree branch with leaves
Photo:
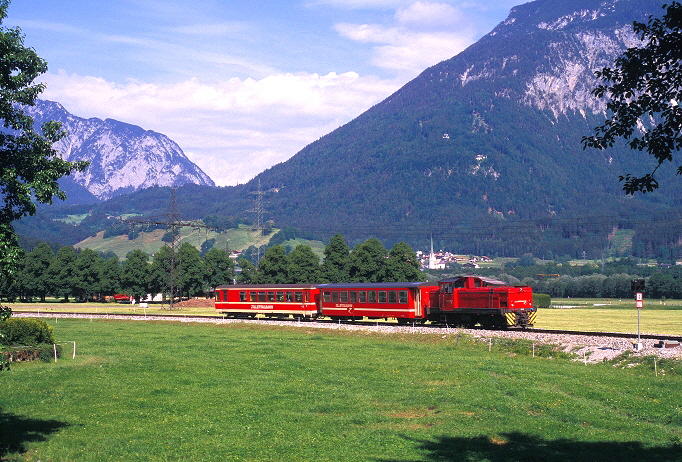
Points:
(29, 165)
(644, 87)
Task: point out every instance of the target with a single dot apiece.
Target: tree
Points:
(402, 265)
(34, 273)
(62, 272)
(367, 261)
(190, 270)
(135, 273)
(29, 166)
(336, 264)
(248, 272)
(304, 266)
(219, 268)
(88, 273)
(110, 281)
(645, 84)
(273, 267)
(159, 271)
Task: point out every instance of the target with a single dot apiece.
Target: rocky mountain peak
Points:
(123, 157)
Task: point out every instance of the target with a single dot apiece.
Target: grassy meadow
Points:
(183, 391)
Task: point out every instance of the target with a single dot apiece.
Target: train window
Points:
(353, 296)
(477, 283)
(362, 296)
(290, 296)
(459, 284)
(242, 295)
(280, 296)
(402, 296)
(306, 296)
(335, 297)
(252, 296)
(371, 296)
(298, 296)
(326, 296)
(392, 297)
(271, 296)
(343, 296)
(261, 296)
(382, 296)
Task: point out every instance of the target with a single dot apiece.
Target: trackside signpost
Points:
(637, 286)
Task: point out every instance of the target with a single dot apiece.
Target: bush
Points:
(542, 300)
(21, 331)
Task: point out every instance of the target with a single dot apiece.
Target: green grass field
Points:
(592, 315)
(181, 391)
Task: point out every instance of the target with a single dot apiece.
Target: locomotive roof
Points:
(376, 285)
(488, 281)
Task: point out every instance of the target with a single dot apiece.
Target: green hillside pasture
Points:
(150, 242)
(173, 391)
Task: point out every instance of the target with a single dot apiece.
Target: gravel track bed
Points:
(588, 348)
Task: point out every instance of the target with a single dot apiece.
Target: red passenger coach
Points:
(274, 300)
(400, 300)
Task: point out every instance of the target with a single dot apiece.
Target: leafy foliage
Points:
(645, 85)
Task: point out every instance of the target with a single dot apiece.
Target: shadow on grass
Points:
(16, 431)
(523, 447)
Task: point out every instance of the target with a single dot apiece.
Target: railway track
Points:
(209, 318)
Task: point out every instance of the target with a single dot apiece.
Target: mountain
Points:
(483, 149)
(482, 152)
(124, 157)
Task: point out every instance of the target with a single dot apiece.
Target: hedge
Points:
(542, 300)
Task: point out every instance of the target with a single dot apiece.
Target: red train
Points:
(459, 301)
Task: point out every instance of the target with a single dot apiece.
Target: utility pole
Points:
(259, 211)
(173, 223)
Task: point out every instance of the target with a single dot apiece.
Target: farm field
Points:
(593, 315)
(181, 391)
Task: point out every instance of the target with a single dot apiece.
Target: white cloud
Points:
(423, 34)
(232, 129)
(429, 14)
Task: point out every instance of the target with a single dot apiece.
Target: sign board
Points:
(638, 296)
(639, 303)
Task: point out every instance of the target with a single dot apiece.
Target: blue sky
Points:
(241, 86)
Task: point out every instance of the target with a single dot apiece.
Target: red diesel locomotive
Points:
(459, 301)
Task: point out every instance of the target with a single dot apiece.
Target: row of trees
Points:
(616, 286)
(86, 274)
(369, 261)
